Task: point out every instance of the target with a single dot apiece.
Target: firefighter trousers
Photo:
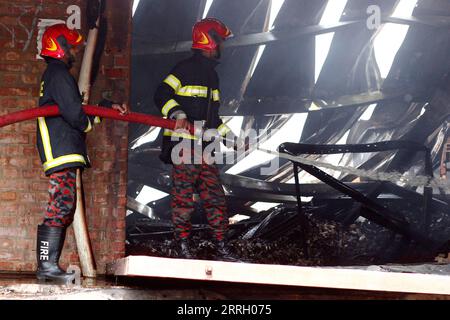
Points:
(62, 203)
(204, 179)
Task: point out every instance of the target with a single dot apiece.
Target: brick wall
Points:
(23, 186)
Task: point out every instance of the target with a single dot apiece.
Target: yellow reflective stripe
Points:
(173, 81)
(51, 162)
(89, 127)
(41, 91)
(193, 91)
(45, 138)
(223, 129)
(97, 120)
(198, 91)
(63, 160)
(168, 106)
(171, 133)
(216, 95)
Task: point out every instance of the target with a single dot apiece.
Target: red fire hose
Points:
(49, 111)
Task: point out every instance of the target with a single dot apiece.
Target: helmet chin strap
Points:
(70, 59)
(212, 54)
(218, 54)
(218, 40)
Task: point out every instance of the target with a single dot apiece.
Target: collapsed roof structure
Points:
(361, 85)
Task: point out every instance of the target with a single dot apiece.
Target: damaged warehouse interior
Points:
(333, 90)
(342, 192)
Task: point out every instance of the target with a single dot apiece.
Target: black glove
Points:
(106, 103)
(241, 144)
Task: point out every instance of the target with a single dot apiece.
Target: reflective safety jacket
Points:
(61, 139)
(186, 89)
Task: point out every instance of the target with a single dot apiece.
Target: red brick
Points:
(37, 162)
(6, 221)
(6, 243)
(14, 92)
(116, 73)
(11, 150)
(120, 224)
(12, 55)
(105, 155)
(39, 186)
(27, 174)
(27, 104)
(121, 61)
(9, 184)
(55, 11)
(28, 126)
(12, 67)
(38, 69)
(19, 162)
(118, 246)
(29, 79)
(8, 20)
(12, 173)
(12, 231)
(108, 166)
(29, 151)
(28, 56)
(35, 90)
(4, 162)
(9, 10)
(100, 198)
(7, 265)
(8, 196)
(122, 201)
(8, 103)
(9, 78)
(28, 197)
(14, 138)
(42, 196)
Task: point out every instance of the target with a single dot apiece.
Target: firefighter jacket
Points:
(191, 87)
(61, 139)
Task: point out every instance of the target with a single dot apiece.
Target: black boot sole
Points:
(55, 279)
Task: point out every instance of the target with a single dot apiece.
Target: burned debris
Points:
(271, 237)
(367, 119)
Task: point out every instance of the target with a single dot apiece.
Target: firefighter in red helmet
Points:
(208, 36)
(189, 95)
(61, 145)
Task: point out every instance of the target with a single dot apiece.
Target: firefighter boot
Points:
(50, 241)
(185, 249)
(223, 253)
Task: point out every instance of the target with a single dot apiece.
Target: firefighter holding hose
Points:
(190, 94)
(61, 145)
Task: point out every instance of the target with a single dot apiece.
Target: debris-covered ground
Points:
(275, 237)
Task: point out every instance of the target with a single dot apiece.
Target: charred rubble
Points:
(275, 237)
(352, 219)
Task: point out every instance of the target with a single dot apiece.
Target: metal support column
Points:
(301, 214)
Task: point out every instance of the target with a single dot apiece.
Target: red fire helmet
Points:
(57, 39)
(208, 33)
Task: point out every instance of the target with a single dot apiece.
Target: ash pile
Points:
(276, 236)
